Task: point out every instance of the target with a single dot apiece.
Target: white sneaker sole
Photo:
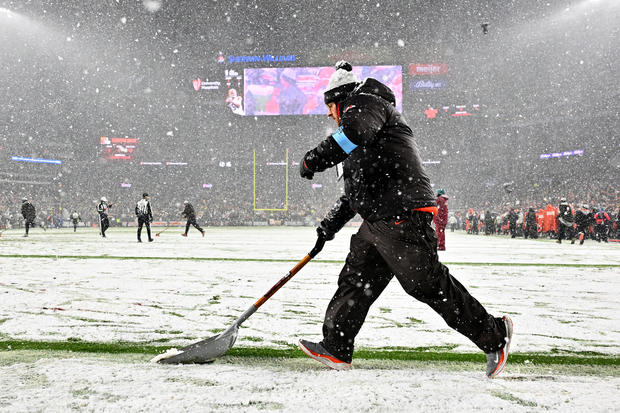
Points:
(328, 361)
(506, 349)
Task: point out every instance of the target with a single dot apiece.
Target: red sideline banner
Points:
(167, 224)
(428, 69)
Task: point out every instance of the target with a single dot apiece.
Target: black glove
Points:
(325, 233)
(327, 154)
(305, 166)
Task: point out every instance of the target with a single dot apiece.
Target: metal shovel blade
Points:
(208, 350)
(204, 351)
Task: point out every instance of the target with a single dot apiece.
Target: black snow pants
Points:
(582, 232)
(146, 222)
(531, 231)
(408, 250)
(29, 224)
(192, 221)
(105, 224)
(565, 232)
(513, 229)
(600, 232)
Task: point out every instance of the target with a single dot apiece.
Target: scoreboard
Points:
(118, 148)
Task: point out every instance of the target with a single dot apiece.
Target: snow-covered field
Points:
(56, 293)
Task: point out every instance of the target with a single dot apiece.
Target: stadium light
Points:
(36, 160)
(6, 13)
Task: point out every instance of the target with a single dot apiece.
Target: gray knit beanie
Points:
(341, 83)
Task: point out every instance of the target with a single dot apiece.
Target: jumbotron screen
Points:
(299, 90)
(223, 88)
(118, 148)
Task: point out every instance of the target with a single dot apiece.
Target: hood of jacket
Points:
(374, 87)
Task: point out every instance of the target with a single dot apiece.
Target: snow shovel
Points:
(208, 350)
(162, 231)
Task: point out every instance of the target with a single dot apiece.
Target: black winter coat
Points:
(530, 220)
(28, 211)
(383, 173)
(565, 215)
(188, 212)
(513, 217)
(583, 218)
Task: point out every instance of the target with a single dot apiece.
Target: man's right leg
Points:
(362, 279)
(140, 223)
(195, 224)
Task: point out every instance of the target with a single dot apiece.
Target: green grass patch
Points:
(295, 311)
(512, 398)
(175, 314)
(117, 257)
(168, 332)
(191, 380)
(254, 339)
(91, 320)
(441, 353)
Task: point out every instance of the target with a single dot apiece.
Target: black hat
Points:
(144, 195)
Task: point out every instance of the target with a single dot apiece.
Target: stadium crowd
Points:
(54, 211)
(528, 217)
(596, 209)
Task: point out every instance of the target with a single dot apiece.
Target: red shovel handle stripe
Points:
(283, 281)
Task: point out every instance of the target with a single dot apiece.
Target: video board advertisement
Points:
(428, 76)
(226, 89)
(299, 90)
(451, 111)
(421, 69)
(118, 148)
